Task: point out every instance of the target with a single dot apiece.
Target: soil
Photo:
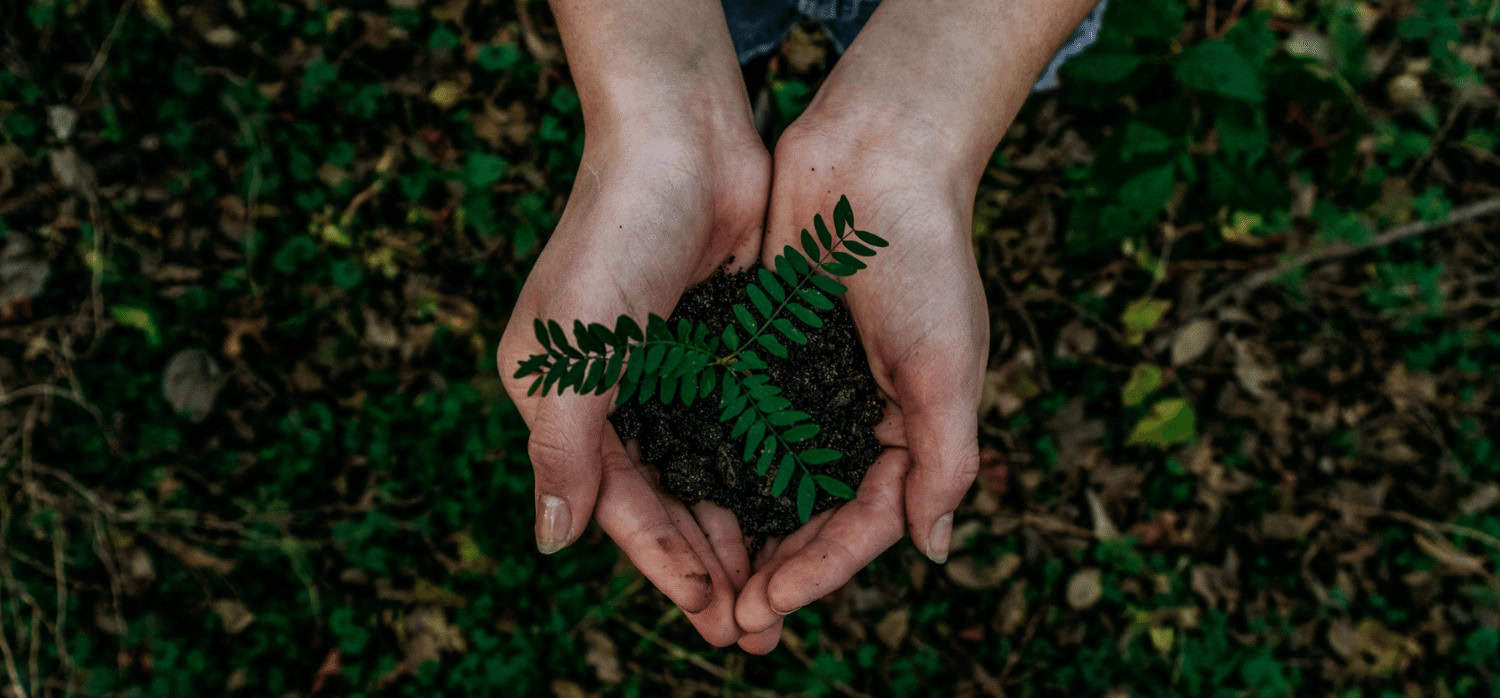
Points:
(693, 451)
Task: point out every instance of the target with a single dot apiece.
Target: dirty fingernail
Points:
(552, 524)
(939, 539)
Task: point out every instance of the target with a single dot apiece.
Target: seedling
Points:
(686, 364)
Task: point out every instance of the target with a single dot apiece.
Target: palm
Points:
(920, 312)
(643, 223)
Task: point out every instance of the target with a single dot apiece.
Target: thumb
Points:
(942, 432)
(566, 435)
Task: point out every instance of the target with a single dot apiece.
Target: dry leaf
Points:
(969, 573)
(191, 382)
(893, 627)
(234, 615)
(603, 657)
(1450, 556)
(1104, 528)
(1192, 340)
(1085, 588)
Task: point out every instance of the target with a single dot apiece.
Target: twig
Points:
(10, 668)
(1338, 250)
(677, 651)
(97, 64)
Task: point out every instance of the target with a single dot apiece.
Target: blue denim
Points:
(759, 26)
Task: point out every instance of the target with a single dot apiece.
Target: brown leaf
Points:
(1450, 556)
(234, 615)
(603, 657)
(970, 573)
(1085, 588)
(1192, 340)
(191, 382)
(893, 627)
(1104, 528)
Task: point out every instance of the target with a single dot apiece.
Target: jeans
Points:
(758, 27)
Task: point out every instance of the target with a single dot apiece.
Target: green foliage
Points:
(687, 365)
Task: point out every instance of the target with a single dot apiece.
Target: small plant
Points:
(688, 365)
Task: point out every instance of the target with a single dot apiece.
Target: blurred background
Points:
(255, 257)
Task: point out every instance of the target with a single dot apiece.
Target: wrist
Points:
(869, 135)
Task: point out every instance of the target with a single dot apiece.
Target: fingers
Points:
(857, 533)
(631, 514)
(715, 622)
(944, 445)
(565, 446)
(724, 537)
(753, 609)
(762, 642)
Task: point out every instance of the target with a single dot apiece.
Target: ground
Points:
(1238, 427)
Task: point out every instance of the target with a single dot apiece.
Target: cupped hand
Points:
(920, 311)
(652, 212)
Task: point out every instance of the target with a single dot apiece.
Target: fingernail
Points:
(940, 538)
(784, 613)
(552, 524)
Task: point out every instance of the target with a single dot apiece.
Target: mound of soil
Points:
(699, 460)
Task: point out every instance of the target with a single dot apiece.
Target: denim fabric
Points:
(758, 27)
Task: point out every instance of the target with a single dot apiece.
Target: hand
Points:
(920, 311)
(654, 211)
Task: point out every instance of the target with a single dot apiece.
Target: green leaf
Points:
(774, 405)
(798, 262)
(560, 339)
(784, 268)
(807, 317)
(834, 486)
(839, 269)
(593, 377)
(667, 389)
(731, 388)
(553, 378)
(1214, 66)
(849, 260)
(684, 330)
(1144, 379)
(625, 327)
(819, 456)
(809, 246)
(706, 381)
(647, 389)
(843, 215)
(758, 297)
(733, 408)
(1170, 422)
(612, 370)
(771, 286)
(586, 340)
(824, 236)
(785, 327)
(828, 286)
(674, 358)
(742, 424)
(656, 327)
(635, 363)
(871, 239)
(781, 419)
(772, 345)
(605, 337)
(753, 361)
(1143, 314)
(746, 319)
(858, 249)
(534, 385)
(654, 355)
(753, 437)
(731, 338)
(541, 334)
(627, 389)
(801, 432)
(576, 374)
(1096, 67)
(763, 463)
(805, 493)
(688, 391)
(815, 298)
(784, 472)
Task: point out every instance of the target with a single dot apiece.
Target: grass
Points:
(1292, 492)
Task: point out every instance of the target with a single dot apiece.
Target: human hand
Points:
(920, 311)
(656, 208)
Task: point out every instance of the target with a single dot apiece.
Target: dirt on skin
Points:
(699, 460)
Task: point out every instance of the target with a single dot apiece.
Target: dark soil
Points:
(697, 458)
